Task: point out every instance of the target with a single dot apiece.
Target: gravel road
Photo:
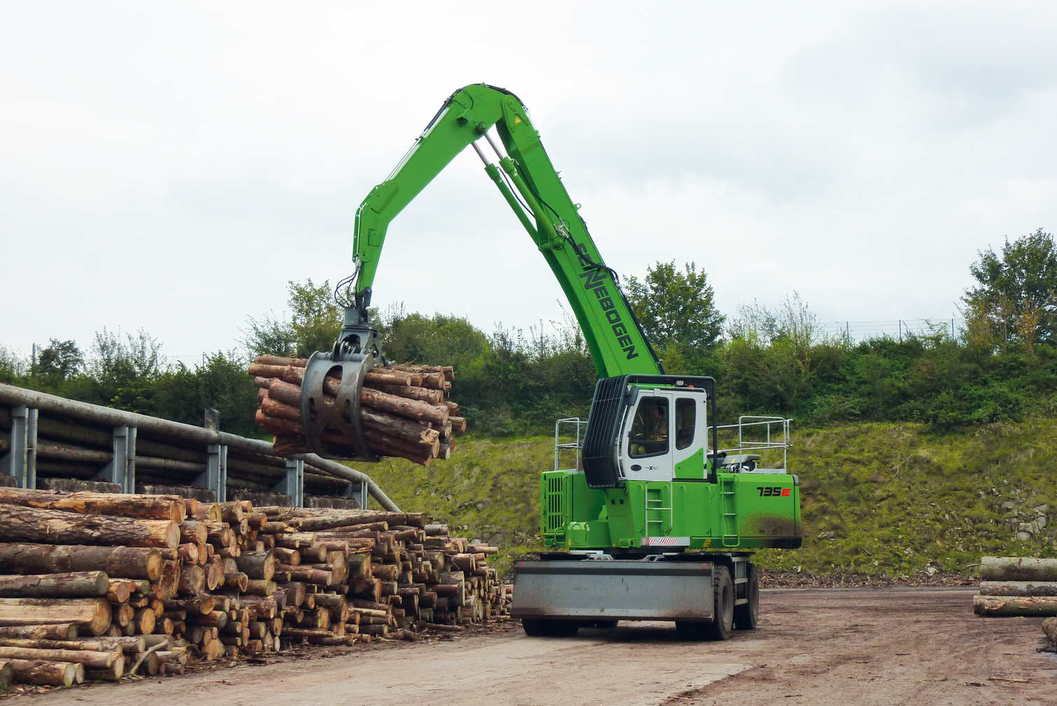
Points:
(814, 646)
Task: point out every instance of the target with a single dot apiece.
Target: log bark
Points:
(89, 658)
(401, 406)
(281, 360)
(1004, 606)
(391, 377)
(192, 580)
(257, 565)
(124, 562)
(1018, 588)
(280, 410)
(67, 585)
(97, 644)
(46, 673)
(112, 673)
(6, 676)
(1049, 628)
(92, 614)
(1014, 568)
(138, 506)
(276, 425)
(27, 524)
(237, 581)
(49, 631)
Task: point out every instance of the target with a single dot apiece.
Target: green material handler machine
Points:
(652, 520)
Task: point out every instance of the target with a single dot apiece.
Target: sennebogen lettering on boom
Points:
(594, 279)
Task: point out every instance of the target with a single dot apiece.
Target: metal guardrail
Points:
(575, 428)
(203, 456)
(755, 433)
(761, 433)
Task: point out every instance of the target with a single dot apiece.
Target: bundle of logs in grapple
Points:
(96, 586)
(404, 410)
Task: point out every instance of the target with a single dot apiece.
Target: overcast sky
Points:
(169, 166)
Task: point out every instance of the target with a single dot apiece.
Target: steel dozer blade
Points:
(588, 590)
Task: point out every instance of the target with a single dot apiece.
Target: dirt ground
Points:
(814, 646)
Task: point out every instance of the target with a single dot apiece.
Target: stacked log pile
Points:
(95, 586)
(1017, 586)
(404, 409)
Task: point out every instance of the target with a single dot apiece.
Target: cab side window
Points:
(685, 422)
(649, 429)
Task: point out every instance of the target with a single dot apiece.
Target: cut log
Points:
(92, 614)
(119, 590)
(89, 658)
(280, 360)
(416, 393)
(6, 676)
(27, 524)
(1049, 627)
(1018, 588)
(997, 568)
(97, 644)
(165, 507)
(46, 673)
(192, 580)
(1004, 606)
(49, 631)
(66, 585)
(124, 562)
(237, 581)
(112, 673)
(257, 565)
(403, 407)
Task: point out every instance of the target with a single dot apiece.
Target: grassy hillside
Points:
(878, 499)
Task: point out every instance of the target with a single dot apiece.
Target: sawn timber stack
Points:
(404, 409)
(204, 581)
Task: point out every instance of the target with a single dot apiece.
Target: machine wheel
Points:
(688, 630)
(723, 623)
(533, 627)
(542, 627)
(747, 615)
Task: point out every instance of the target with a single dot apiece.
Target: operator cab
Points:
(665, 434)
(662, 428)
(648, 427)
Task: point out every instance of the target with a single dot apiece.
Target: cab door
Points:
(647, 441)
(690, 434)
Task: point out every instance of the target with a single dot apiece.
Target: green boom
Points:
(708, 508)
(530, 184)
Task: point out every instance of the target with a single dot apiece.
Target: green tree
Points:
(437, 339)
(60, 360)
(1014, 299)
(313, 324)
(676, 306)
(121, 372)
(11, 366)
(218, 381)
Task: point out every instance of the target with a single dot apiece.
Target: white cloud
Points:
(170, 167)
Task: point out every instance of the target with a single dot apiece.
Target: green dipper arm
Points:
(527, 180)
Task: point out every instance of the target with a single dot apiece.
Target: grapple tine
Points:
(325, 417)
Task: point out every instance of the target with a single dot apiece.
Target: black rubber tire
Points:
(688, 630)
(561, 628)
(533, 627)
(747, 615)
(542, 627)
(722, 624)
